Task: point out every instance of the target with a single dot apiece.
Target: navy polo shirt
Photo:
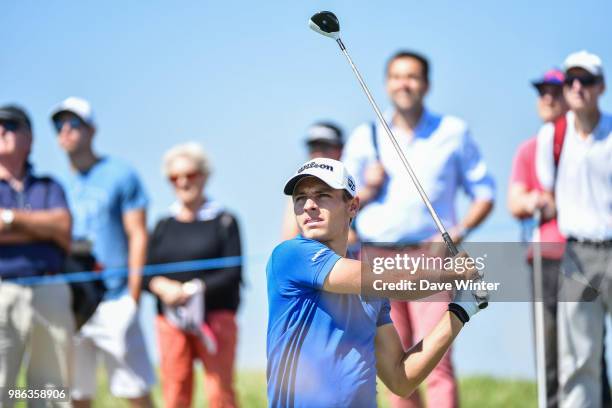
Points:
(31, 259)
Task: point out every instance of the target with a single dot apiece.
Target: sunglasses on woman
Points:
(191, 176)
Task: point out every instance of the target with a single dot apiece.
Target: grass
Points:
(251, 388)
(476, 392)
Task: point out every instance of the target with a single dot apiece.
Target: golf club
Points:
(327, 24)
(538, 302)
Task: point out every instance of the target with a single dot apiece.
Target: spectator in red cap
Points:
(524, 198)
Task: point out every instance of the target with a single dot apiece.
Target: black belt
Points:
(591, 242)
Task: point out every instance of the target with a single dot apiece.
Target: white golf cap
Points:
(585, 60)
(331, 172)
(78, 106)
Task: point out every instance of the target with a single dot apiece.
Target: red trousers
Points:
(178, 351)
(413, 321)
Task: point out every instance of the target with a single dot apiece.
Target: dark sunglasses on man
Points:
(9, 125)
(318, 146)
(585, 80)
(554, 91)
(73, 123)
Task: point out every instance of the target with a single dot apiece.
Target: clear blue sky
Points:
(246, 78)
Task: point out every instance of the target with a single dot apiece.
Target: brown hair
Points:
(410, 54)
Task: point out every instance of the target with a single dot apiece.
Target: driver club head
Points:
(326, 23)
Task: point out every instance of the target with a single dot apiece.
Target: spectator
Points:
(524, 197)
(323, 140)
(444, 155)
(583, 193)
(34, 239)
(108, 203)
(196, 309)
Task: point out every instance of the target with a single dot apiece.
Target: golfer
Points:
(327, 343)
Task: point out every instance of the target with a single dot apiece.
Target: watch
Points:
(7, 217)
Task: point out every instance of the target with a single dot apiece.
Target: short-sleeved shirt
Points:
(38, 258)
(583, 183)
(444, 157)
(320, 345)
(524, 172)
(98, 199)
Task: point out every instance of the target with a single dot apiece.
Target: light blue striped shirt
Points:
(444, 157)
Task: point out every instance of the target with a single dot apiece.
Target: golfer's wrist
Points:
(459, 312)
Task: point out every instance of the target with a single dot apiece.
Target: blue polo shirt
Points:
(98, 199)
(38, 258)
(320, 345)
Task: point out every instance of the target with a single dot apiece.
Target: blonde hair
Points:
(192, 151)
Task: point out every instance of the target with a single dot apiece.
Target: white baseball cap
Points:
(585, 60)
(331, 172)
(78, 106)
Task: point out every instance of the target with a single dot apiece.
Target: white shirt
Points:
(444, 157)
(583, 187)
(208, 211)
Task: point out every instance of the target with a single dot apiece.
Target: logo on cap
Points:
(351, 183)
(316, 166)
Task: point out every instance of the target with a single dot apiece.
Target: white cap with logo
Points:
(78, 106)
(585, 60)
(331, 172)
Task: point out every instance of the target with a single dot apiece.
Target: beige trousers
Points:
(36, 328)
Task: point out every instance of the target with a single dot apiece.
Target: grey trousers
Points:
(585, 300)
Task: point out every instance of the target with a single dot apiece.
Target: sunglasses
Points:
(174, 178)
(552, 90)
(73, 123)
(320, 147)
(585, 80)
(10, 125)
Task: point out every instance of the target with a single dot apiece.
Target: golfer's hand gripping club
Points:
(326, 23)
(464, 305)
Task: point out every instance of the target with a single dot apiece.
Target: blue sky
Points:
(247, 78)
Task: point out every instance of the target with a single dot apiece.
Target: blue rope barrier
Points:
(148, 270)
